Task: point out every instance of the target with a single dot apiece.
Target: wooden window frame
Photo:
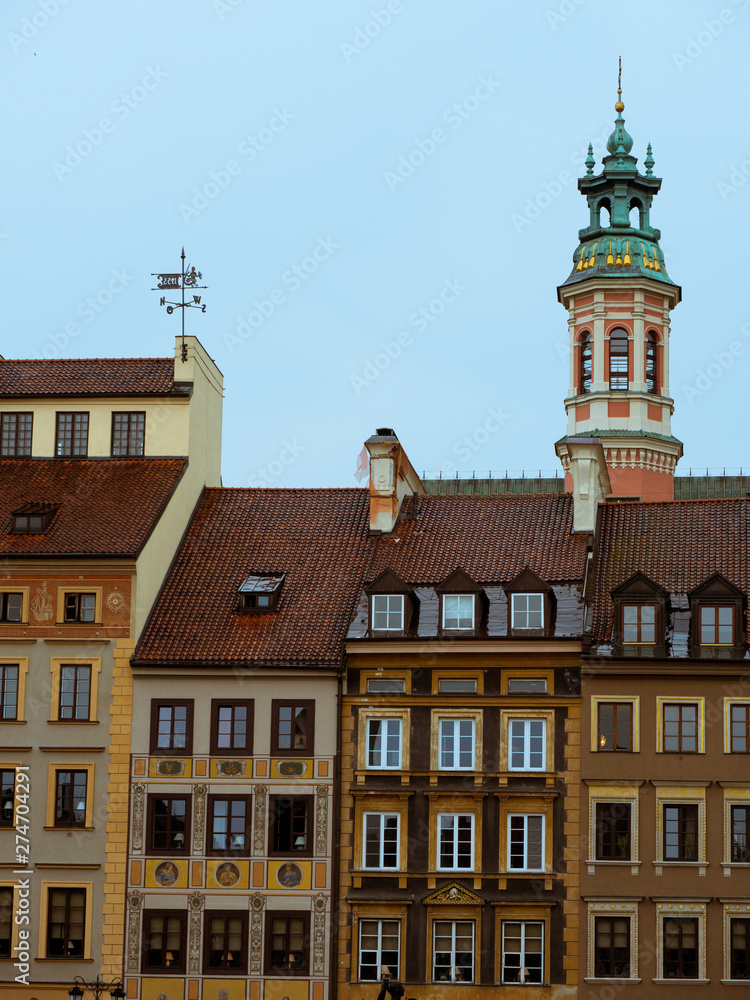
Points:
(233, 703)
(52, 791)
(76, 416)
(526, 766)
(5, 594)
(379, 919)
(71, 823)
(309, 749)
(618, 707)
(739, 854)
(682, 908)
(639, 624)
(16, 451)
(682, 818)
(615, 792)
(615, 373)
(157, 751)
(736, 913)
(168, 852)
(44, 922)
(700, 737)
(526, 816)
(716, 625)
(523, 981)
(367, 715)
(384, 751)
(383, 818)
(8, 889)
(456, 816)
(228, 851)
(680, 920)
(4, 701)
(456, 753)
(730, 704)
(225, 915)
(178, 968)
(129, 414)
(440, 715)
(308, 800)
(449, 919)
(613, 973)
(458, 629)
(10, 823)
(76, 667)
(607, 836)
(621, 907)
(302, 970)
(56, 665)
(371, 801)
(388, 597)
(717, 592)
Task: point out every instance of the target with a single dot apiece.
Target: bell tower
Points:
(619, 298)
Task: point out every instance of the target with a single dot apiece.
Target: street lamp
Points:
(98, 987)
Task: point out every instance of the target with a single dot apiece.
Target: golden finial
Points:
(619, 107)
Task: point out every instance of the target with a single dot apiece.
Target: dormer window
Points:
(531, 604)
(392, 604)
(259, 592)
(32, 518)
(717, 611)
(639, 623)
(458, 611)
(462, 602)
(641, 610)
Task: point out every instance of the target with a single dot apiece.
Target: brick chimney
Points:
(391, 479)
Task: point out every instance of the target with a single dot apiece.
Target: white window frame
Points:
(523, 966)
(441, 920)
(734, 909)
(526, 866)
(388, 722)
(526, 611)
(394, 970)
(450, 822)
(624, 907)
(456, 752)
(379, 828)
(459, 615)
(526, 723)
(397, 609)
(683, 908)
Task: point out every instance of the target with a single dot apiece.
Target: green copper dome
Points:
(619, 239)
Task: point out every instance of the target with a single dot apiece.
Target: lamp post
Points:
(80, 986)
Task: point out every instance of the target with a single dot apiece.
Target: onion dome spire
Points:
(620, 142)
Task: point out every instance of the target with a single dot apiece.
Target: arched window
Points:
(584, 374)
(652, 378)
(603, 205)
(618, 359)
(636, 214)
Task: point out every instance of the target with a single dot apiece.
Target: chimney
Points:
(391, 479)
(583, 460)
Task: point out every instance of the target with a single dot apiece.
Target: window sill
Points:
(612, 861)
(69, 829)
(614, 979)
(680, 864)
(72, 722)
(683, 982)
(64, 958)
(163, 972)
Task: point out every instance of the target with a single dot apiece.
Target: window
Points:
(584, 377)
(128, 431)
(455, 841)
(618, 359)
(680, 957)
(7, 797)
(79, 608)
(6, 921)
(292, 727)
(72, 435)
(163, 941)
(739, 934)
(66, 922)
(228, 824)
(15, 435)
(613, 825)
(612, 947)
(75, 692)
(739, 728)
(652, 382)
(384, 743)
(453, 951)
(526, 740)
(458, 611)
(681, 832)
(740, 816)
(379, 948)
(456, 744)
(681, 728)
(225, 936)
(388, 612)
(11, 607)
(70, 798)
(290, 824)
(526, 842)
(457, 685)
(260, 592)
(172, 727)
(169, 824)
(381, 841)
(386, 685)
(231, 727)
(8, 691)
(288, 942)
(614, 726)
(527, 685)
(639, 623)
(523, 951)
(717, 625)
(32, 518)
(527, 611)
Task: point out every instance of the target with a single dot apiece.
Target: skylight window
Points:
(32, 518)
(260, 591)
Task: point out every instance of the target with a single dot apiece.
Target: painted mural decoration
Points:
(115, 601)
(41, 604)
(166, 874)
(228, 874)
(289, 875)
(292, 768)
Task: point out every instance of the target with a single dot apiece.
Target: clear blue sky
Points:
(266, 136)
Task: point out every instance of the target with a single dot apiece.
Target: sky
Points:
(381, 198)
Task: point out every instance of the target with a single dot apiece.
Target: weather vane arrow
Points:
(186, 280)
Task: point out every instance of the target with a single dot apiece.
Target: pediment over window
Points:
(639, 585)
(717, 619)
(527, 581)
(463, 604)
(531, 605)
(388, 583)
(455, 894)
(717, 586)
(393, 604)
(641, 615)
(459, 582)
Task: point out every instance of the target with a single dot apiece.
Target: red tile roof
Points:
(677, 544)
(86, 377)
(318, 537)
(491, 537)
(106, 507)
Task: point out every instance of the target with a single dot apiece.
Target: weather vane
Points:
(187, 280)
